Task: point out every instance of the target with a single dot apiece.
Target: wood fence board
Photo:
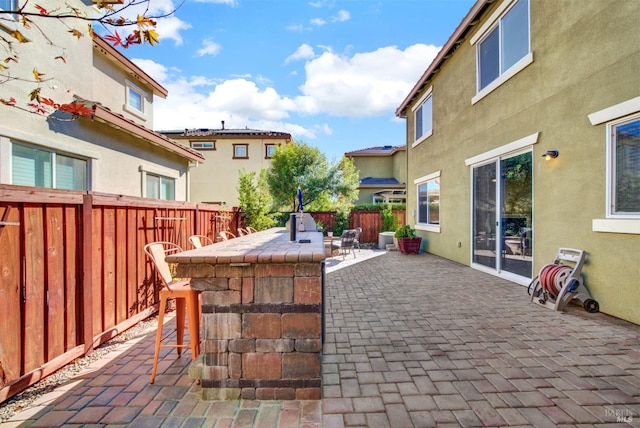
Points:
(121, 264)
(72, 280)
(134, 279)
(150, 234)
(96, 271)
(10, 299)
(54, 282)
(108, 268)
(34, 309)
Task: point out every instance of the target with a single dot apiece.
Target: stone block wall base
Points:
(221, 393)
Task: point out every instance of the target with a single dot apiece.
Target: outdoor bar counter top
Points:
(262, 315)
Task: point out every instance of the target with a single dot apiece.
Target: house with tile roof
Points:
(523, 137)
(226, 152)
(383, 173)
(113, 151)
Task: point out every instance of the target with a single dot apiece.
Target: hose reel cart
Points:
(559, 282)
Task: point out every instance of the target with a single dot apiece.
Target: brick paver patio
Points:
(412, 340)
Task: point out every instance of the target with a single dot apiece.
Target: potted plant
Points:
(408, 242)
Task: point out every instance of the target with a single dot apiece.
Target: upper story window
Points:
(135, 99)
(160, 187)
(624, 156)
(423, 117)
(269, 150)
(241, 151)
(34, 166)
(204, 145)
(9, 5)
(503, 46)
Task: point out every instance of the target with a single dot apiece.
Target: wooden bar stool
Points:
(186, 304)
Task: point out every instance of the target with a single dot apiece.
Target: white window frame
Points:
(268, 146)
(612, 116)
(54, 165)
(428, 227)
(158, 172)
(131, 87)
(426, 97)
(494, 21)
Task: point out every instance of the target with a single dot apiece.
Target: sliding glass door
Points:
(503, 216)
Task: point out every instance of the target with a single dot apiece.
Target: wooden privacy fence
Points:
(370, 222)
(73, 273)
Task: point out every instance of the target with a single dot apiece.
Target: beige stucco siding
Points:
(586, 57)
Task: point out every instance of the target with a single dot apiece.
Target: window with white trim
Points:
(423, 117)
(38, 167)
(134, 98)
(8, 4)
(429, 201)
(160, 187)
(504, 45)
(624, 168)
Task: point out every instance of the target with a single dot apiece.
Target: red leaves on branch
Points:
(42, 10)
(74, 108)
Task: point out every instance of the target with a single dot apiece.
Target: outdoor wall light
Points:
(550, 154)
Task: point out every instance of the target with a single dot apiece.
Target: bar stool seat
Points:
(187, 304)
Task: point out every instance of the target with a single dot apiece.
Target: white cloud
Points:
(229, 2)
(157, 71)
(318, 22)
(304, 51)
(342, 16)
(366, 84)
(209, 47)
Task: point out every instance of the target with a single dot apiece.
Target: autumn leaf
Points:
(19, 36)
(8, 59)
(35, 95)
(76, 109)
(3, 67)
(38, 108)
(26, 22)
(37, 75)
(92, 33)
(49, 102)
(143, 21)
(114, 39)
(61, 58)
(76, 33)
(42, 10)
(10, 102)
(152, 37)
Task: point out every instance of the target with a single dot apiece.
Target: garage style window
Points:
(624, 158)
(504, 45)
(159, 187)
(429, 201)
(38, 167)
(423, 117)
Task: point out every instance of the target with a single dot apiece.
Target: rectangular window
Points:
(625, 167)
(423, 117)
(32, 166)
(204, 145)
(241, 151)
(270, 150)
(8, 4)
(505, 45)
(159, 187)
(429, 202)
(135, 98)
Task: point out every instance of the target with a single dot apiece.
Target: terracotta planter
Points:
(409, 245)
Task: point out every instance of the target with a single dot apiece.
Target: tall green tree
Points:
(301, 165)
(255, 200)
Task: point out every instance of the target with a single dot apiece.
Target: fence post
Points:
(85, 284)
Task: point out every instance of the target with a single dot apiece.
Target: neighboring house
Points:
(227, 152)
(516, 79)
(114, 151)
(383, 174)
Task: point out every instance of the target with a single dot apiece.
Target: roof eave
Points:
(444, 54)
(148, 135)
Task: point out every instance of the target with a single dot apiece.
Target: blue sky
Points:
(330, 72)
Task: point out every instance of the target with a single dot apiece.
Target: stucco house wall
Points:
(377, 167)
(120, 147)
(585, 58)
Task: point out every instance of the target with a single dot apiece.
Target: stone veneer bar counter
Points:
(261, 326)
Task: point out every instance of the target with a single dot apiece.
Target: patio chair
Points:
(199, 240)
(346, 242)
(242, 232)
(186, 301)
(356, 241)
(225, 236)
(251, 229)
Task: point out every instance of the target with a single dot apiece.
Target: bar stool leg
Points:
(180, 318)
(193, 308)
(163, 307)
